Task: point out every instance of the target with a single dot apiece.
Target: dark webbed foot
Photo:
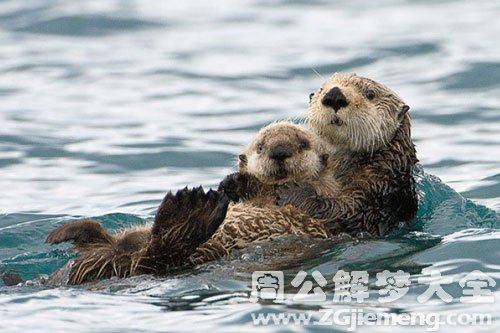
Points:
(82, 233)
(236, 186)
(183, 222)
(296, 194)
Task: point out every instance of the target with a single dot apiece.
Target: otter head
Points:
(356, 114)
(283, 152)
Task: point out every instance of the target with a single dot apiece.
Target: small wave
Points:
(87, 25)
(443, 211)
(477, 76)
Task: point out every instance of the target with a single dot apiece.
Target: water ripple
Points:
(107, 105)
(477, 76)
(88, 26)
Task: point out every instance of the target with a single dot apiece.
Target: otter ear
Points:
(324, 158)
(404, 110)
(242, 161)
(311, 95)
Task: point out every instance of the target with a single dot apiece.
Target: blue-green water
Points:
(106, 105)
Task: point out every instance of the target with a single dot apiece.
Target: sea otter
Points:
(190, 228)
(367, 127)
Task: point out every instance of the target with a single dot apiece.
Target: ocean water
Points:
(107, 105)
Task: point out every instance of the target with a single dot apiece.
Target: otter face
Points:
(356, 114)
(283, 152)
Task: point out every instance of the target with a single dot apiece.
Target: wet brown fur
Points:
(180, 235)
(184, 221)
(100, 253)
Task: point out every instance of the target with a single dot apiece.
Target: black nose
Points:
(334, 99)
(279, 153)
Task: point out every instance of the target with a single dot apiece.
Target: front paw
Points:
(234, 186)
(295, 194)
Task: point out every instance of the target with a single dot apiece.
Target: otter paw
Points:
(235, 186)
(191, 206)
(295, 194)
(85, 231)
(183, 222)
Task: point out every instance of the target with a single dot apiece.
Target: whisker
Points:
(318, 74)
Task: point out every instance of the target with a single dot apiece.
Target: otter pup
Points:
(280, 153)
(367, 127)
(190, 228)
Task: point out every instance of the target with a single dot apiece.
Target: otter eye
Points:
(259, 148)
(303, 144)
(370, 94)
(311, 95)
